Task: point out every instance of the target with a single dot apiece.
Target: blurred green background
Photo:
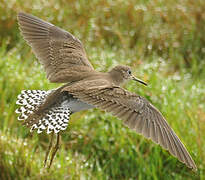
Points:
(164, 43)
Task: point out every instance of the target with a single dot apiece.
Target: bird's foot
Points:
(49, 149)
(55, 149)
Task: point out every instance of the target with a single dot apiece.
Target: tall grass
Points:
(97, 145)
(164, 44)
(160, 27)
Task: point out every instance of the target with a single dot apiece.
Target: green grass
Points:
(96, 145)
(164, 47)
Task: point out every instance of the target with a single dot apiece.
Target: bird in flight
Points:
(64, 60)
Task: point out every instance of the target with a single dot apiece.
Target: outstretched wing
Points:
(137, 113)
(58, 50)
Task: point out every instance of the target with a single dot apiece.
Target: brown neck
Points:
(116, 77)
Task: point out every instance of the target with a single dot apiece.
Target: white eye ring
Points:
(129, 72)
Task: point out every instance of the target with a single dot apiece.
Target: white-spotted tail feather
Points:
(54, 119)
(29, 100)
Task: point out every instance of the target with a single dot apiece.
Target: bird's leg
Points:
(55, 149)
(49, 149)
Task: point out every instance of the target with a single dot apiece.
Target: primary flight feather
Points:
(64, 60)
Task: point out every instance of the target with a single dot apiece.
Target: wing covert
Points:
(58, 51)
(138, 114)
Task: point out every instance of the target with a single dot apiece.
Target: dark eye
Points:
(129, 72)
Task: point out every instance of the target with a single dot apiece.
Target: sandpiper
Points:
(64, 60)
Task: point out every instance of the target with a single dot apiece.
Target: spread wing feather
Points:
(138, 114)
(55, 48)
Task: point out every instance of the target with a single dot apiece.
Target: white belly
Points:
(76, 105)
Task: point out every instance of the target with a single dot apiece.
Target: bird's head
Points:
(121, 74)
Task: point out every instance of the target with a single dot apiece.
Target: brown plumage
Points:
(64, 60)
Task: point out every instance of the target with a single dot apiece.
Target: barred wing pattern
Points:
(55, 119)
(138, 114)
(56, 49)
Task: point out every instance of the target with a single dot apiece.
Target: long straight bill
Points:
(139, 80)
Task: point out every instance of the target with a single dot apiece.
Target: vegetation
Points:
(164, 43)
